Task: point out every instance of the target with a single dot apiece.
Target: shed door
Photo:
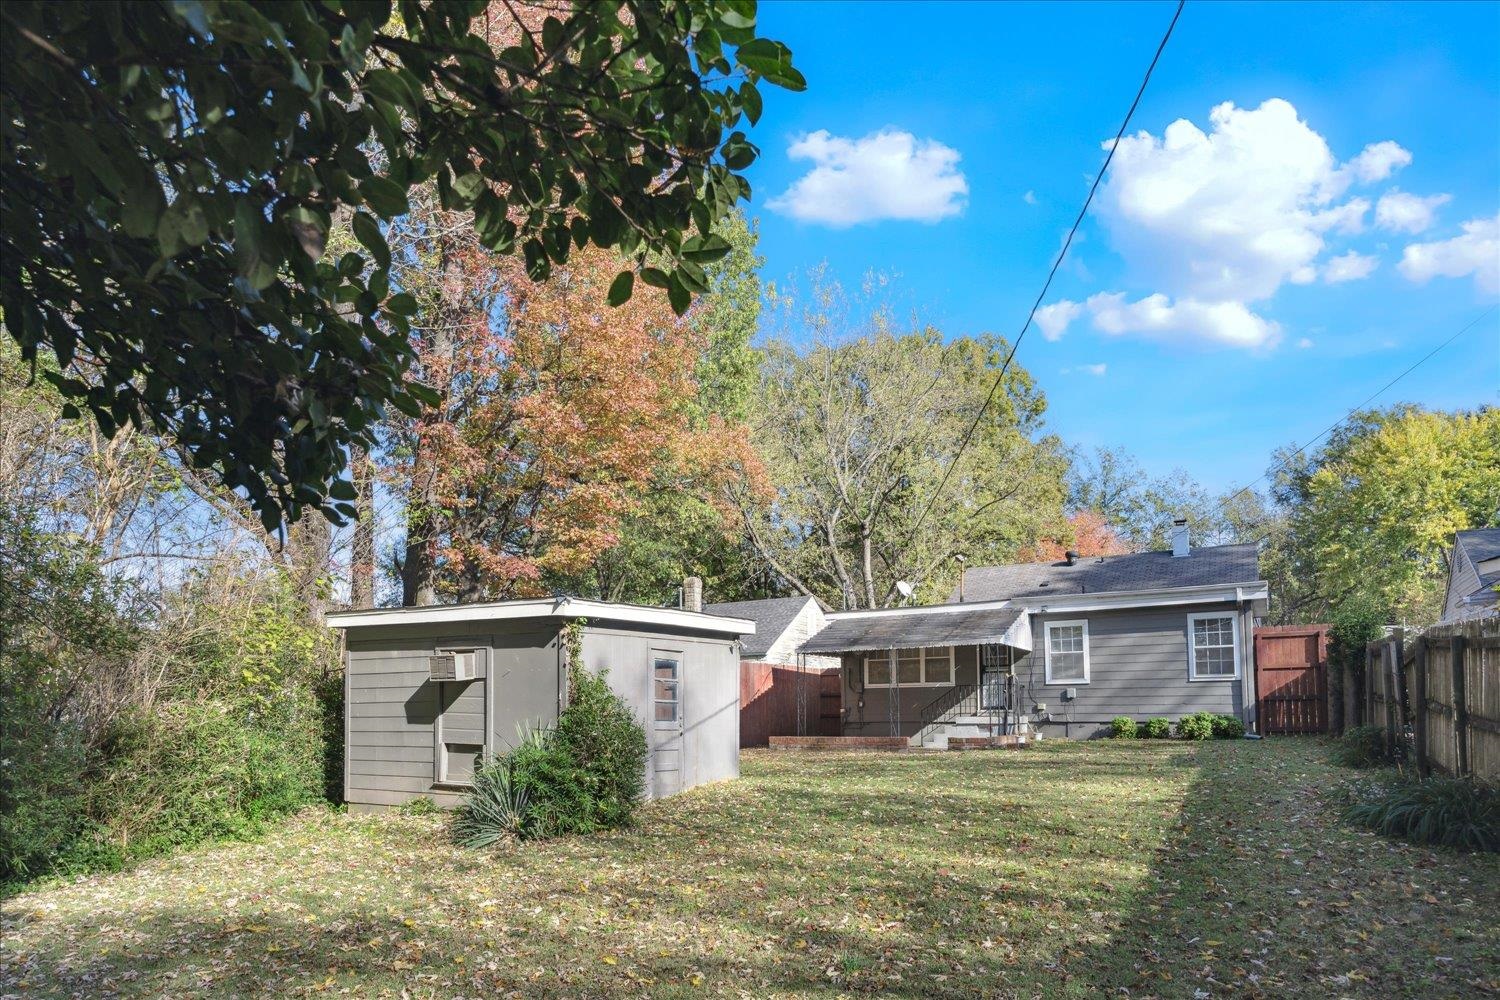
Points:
(460, 726)
(666, 726)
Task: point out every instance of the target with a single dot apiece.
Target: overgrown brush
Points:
(1362, 746)
(1448, 812)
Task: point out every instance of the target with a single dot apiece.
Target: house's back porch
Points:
(930, 674)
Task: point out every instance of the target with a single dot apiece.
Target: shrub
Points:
(586, 773)
(1156, 729)
(1228, 727)
(1198, 726)
(1362, 746)
(1449, 812)
(1122, 727)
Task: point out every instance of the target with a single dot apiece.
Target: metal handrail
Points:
(944, 702)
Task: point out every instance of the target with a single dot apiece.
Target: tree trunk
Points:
(423, 518)
(362, 547)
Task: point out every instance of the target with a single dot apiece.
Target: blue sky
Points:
(1242, 280)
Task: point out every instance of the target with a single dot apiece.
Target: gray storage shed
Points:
(430, 692)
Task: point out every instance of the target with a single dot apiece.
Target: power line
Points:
(1228, 497)
(1000, 379)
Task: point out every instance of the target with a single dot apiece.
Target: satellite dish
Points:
(904, 589)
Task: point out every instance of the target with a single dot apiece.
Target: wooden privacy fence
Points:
(769, 702)
(1445, 686)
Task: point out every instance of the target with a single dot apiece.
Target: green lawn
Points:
(1161, 868)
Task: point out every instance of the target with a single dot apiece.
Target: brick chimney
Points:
(692, 593)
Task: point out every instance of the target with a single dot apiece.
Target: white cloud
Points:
(1220, 220)
(1233, 213)
(888, 174)
(1228, 323)
(1408, 213)
(1304, 344)
(1476, 252)
(1029, 197)
(1053, 320)
(1095, 370)
(1349, 267)
(1377, 161)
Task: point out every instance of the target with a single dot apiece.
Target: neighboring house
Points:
(782, 624)
(1060, 647)
(431, 692)
(1473, 576)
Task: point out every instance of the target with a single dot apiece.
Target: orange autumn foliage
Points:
(559, 412)
(1092, 536)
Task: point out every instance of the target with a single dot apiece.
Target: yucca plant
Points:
(1449, 812)
(498, 808)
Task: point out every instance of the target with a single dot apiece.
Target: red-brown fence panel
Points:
(1291, 678)
(769, 702)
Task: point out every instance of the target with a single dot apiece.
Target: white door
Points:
(666, 732)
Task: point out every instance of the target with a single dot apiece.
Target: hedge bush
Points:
(1228, 727)
(1449, 812)
(1122, 727)
(586, 773)
(1197, 726)
(1156, 729)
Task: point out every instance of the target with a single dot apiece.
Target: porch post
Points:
(893, 698)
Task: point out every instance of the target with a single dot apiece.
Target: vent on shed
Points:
(451, 667)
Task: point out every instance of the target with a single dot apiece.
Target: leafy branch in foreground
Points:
(172, 170)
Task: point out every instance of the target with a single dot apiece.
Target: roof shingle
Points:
(771, 617)
(1203, 567)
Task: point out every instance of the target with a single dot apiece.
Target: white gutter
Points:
(565, 607)
(1257, 592)
(926, 609)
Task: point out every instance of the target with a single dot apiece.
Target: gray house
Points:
(430, 692)
(1473, 576)
(782, 625)
(1057, 648)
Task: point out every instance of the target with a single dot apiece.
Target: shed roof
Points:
(1203, 567)
(772, 616)
(938, 626)
(561, 608)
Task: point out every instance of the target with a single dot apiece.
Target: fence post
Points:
(1460, 704)
(1419, 706)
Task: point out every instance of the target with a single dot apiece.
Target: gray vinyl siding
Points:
(867, 711)
(1138, 666)
(1463, 580)
(392, 718)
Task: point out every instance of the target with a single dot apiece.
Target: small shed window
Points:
(877, 671)
(1213, 647)
(1067, 652)
(667, 691)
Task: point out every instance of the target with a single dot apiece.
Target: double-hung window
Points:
(1213, 647)
(914, 668)
(1067, 652)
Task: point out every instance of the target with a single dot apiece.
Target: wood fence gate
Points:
(1291, 678)
(769, 702)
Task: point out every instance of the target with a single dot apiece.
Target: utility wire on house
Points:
(1229, 497)
(1057, 263)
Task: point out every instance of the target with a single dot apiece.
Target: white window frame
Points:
(1047, 651)
(1192, 647)
(678, 723)
(922, 660)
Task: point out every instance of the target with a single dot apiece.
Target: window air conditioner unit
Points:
(451, 667)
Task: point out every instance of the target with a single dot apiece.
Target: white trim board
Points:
(1047, 628)
(1235, 644)
(566, 608)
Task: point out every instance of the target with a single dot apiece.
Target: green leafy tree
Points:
(857, 431)
(1371, 515)
(172, 170)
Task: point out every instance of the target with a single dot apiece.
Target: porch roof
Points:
(943, 625)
